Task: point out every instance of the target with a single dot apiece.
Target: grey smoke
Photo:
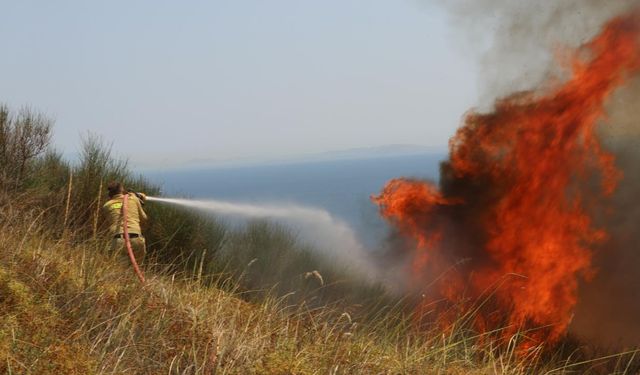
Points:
(516, 41)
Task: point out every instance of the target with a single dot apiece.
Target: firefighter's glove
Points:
(142, 197)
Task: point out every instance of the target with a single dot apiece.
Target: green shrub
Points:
(23, 137)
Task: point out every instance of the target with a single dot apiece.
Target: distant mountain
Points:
(384, 151)
(377, 151)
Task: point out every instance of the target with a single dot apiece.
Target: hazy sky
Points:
(181, 80)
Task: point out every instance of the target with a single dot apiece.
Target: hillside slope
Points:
(74, 309)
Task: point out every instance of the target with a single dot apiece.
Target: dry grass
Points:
(76, 309)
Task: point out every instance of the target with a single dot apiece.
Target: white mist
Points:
(332, 237)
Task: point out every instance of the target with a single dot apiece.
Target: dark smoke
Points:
(518, 43)
(610, 304)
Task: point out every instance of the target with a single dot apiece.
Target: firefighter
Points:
(135, 216)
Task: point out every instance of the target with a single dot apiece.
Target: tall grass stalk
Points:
(67, 205)
(96, 214)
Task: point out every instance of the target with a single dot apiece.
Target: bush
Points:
(23, 137)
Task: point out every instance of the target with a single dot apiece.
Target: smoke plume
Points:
(518, 42)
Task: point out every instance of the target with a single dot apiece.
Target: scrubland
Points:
(218, 300)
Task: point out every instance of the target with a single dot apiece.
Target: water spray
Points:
(333, 237)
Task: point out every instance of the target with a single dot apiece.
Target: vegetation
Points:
(217, 300)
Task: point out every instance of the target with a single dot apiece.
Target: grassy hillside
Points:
(76, 309)
(68, 308)
(217, 300)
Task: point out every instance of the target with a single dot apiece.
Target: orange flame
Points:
(513, 197)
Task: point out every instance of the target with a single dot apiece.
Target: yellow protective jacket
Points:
(135, 214)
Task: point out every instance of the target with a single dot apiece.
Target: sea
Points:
(341, 187)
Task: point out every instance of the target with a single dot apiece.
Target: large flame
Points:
(510, 217)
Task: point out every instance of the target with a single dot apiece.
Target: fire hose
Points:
(128, 241)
